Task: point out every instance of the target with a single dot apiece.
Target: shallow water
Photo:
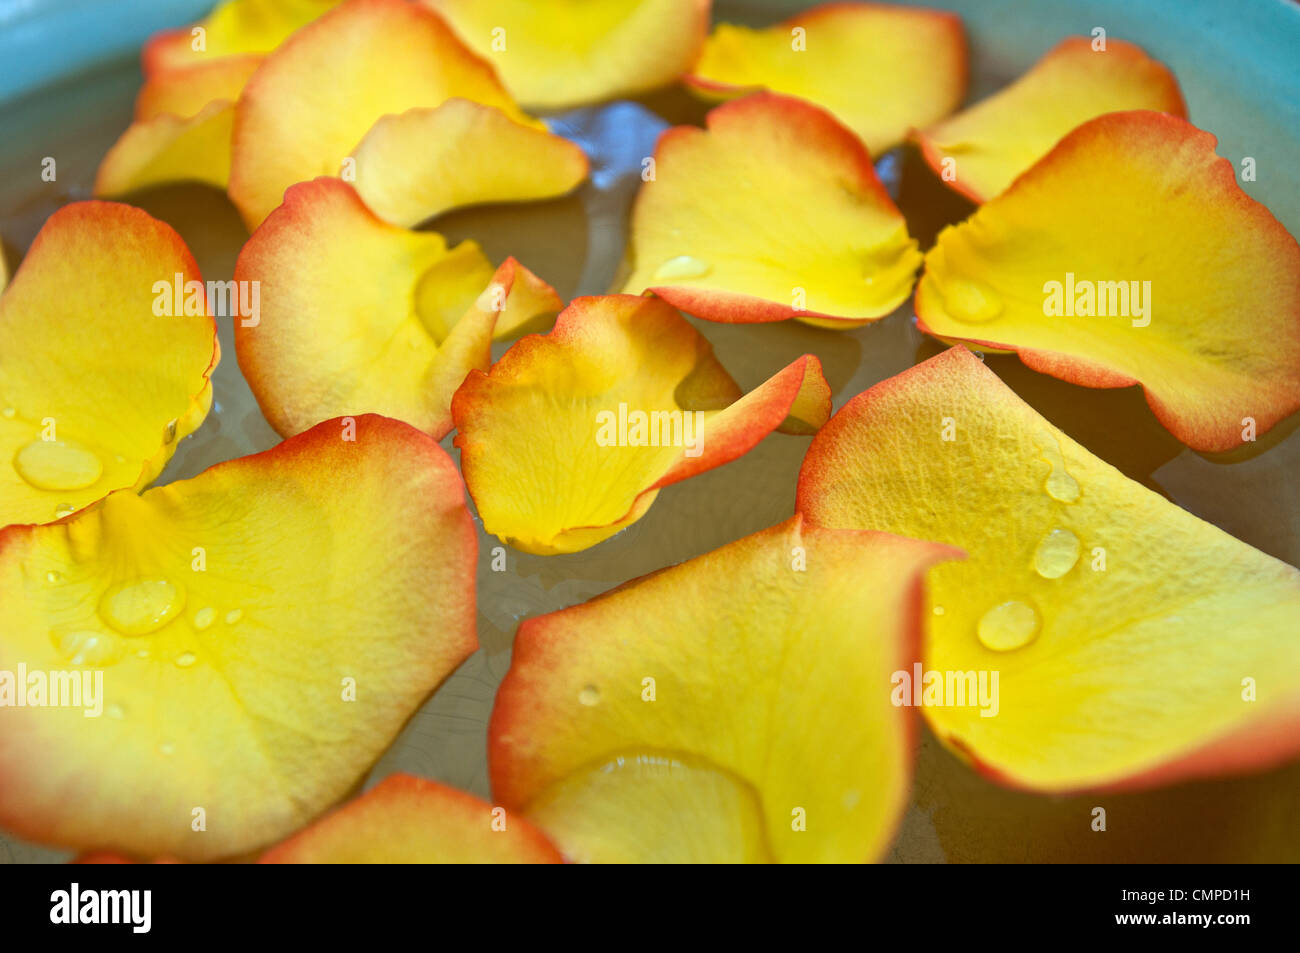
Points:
(576, 244)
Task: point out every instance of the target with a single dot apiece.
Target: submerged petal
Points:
(570, 436)
(981, 150)
(691, 715)
(469, 154)
(262, 631)
(774, 212)
(881, 70)
(554, 54)
(1134, 643)
(106, 350)
(1129, 255)
(234, 28)
(312, 102)
(359, 316)
(409, 820)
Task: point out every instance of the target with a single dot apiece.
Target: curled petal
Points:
(1129, 255)
(409, 820)
(234, 28)
(262, 633)
(470, 154)
(881, 70)
(1134, 644)
(553, 55)
(359, 316)
(688, 715)
(774, 212)
(107, 347)
(981, 150)
(312, 102)
(570, 436)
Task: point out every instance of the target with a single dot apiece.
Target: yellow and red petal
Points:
(1129, 255)
(107, 347)
(312, 101)
(1134, 643)
(169, 148)
(234, 28)
(687, 715)
(263, 631)
(554, 54)
(569, 437)
(185, 92)
(774, 212)
(981, 150)
(183, 123)
(359, 316)
(881, 70)
(470, 154)
(410, 820)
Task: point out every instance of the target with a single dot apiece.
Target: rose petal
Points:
(263, 632)
(102, 370)
(314, 99)
(549, 464)
(735, 707)
(470, 154)
(409, 820)
(774, 212)
(1137, 209)
(553, 54)
(881, 70)
(359, 316)
(1122, 628)
(981, 150)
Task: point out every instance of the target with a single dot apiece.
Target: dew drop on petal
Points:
(1056, 554)
(1008, 626)
(141, 607)
(58, 465)
(590, 695)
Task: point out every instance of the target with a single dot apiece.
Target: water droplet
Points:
(851, 799)
(1056, 554)
(53, 577)
(141, 607)
(142, 653)
(682, 268)
(233, 616)
(971, 301)
(204, 617)
(167, 748)
(64, 509)
(937, 610)
(8, 413)
(186, 659)
(116, 711)
(87, 647)
(1060, 484)
(1009, 625)
(169, 435)
(590, 695)
(58, 465)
